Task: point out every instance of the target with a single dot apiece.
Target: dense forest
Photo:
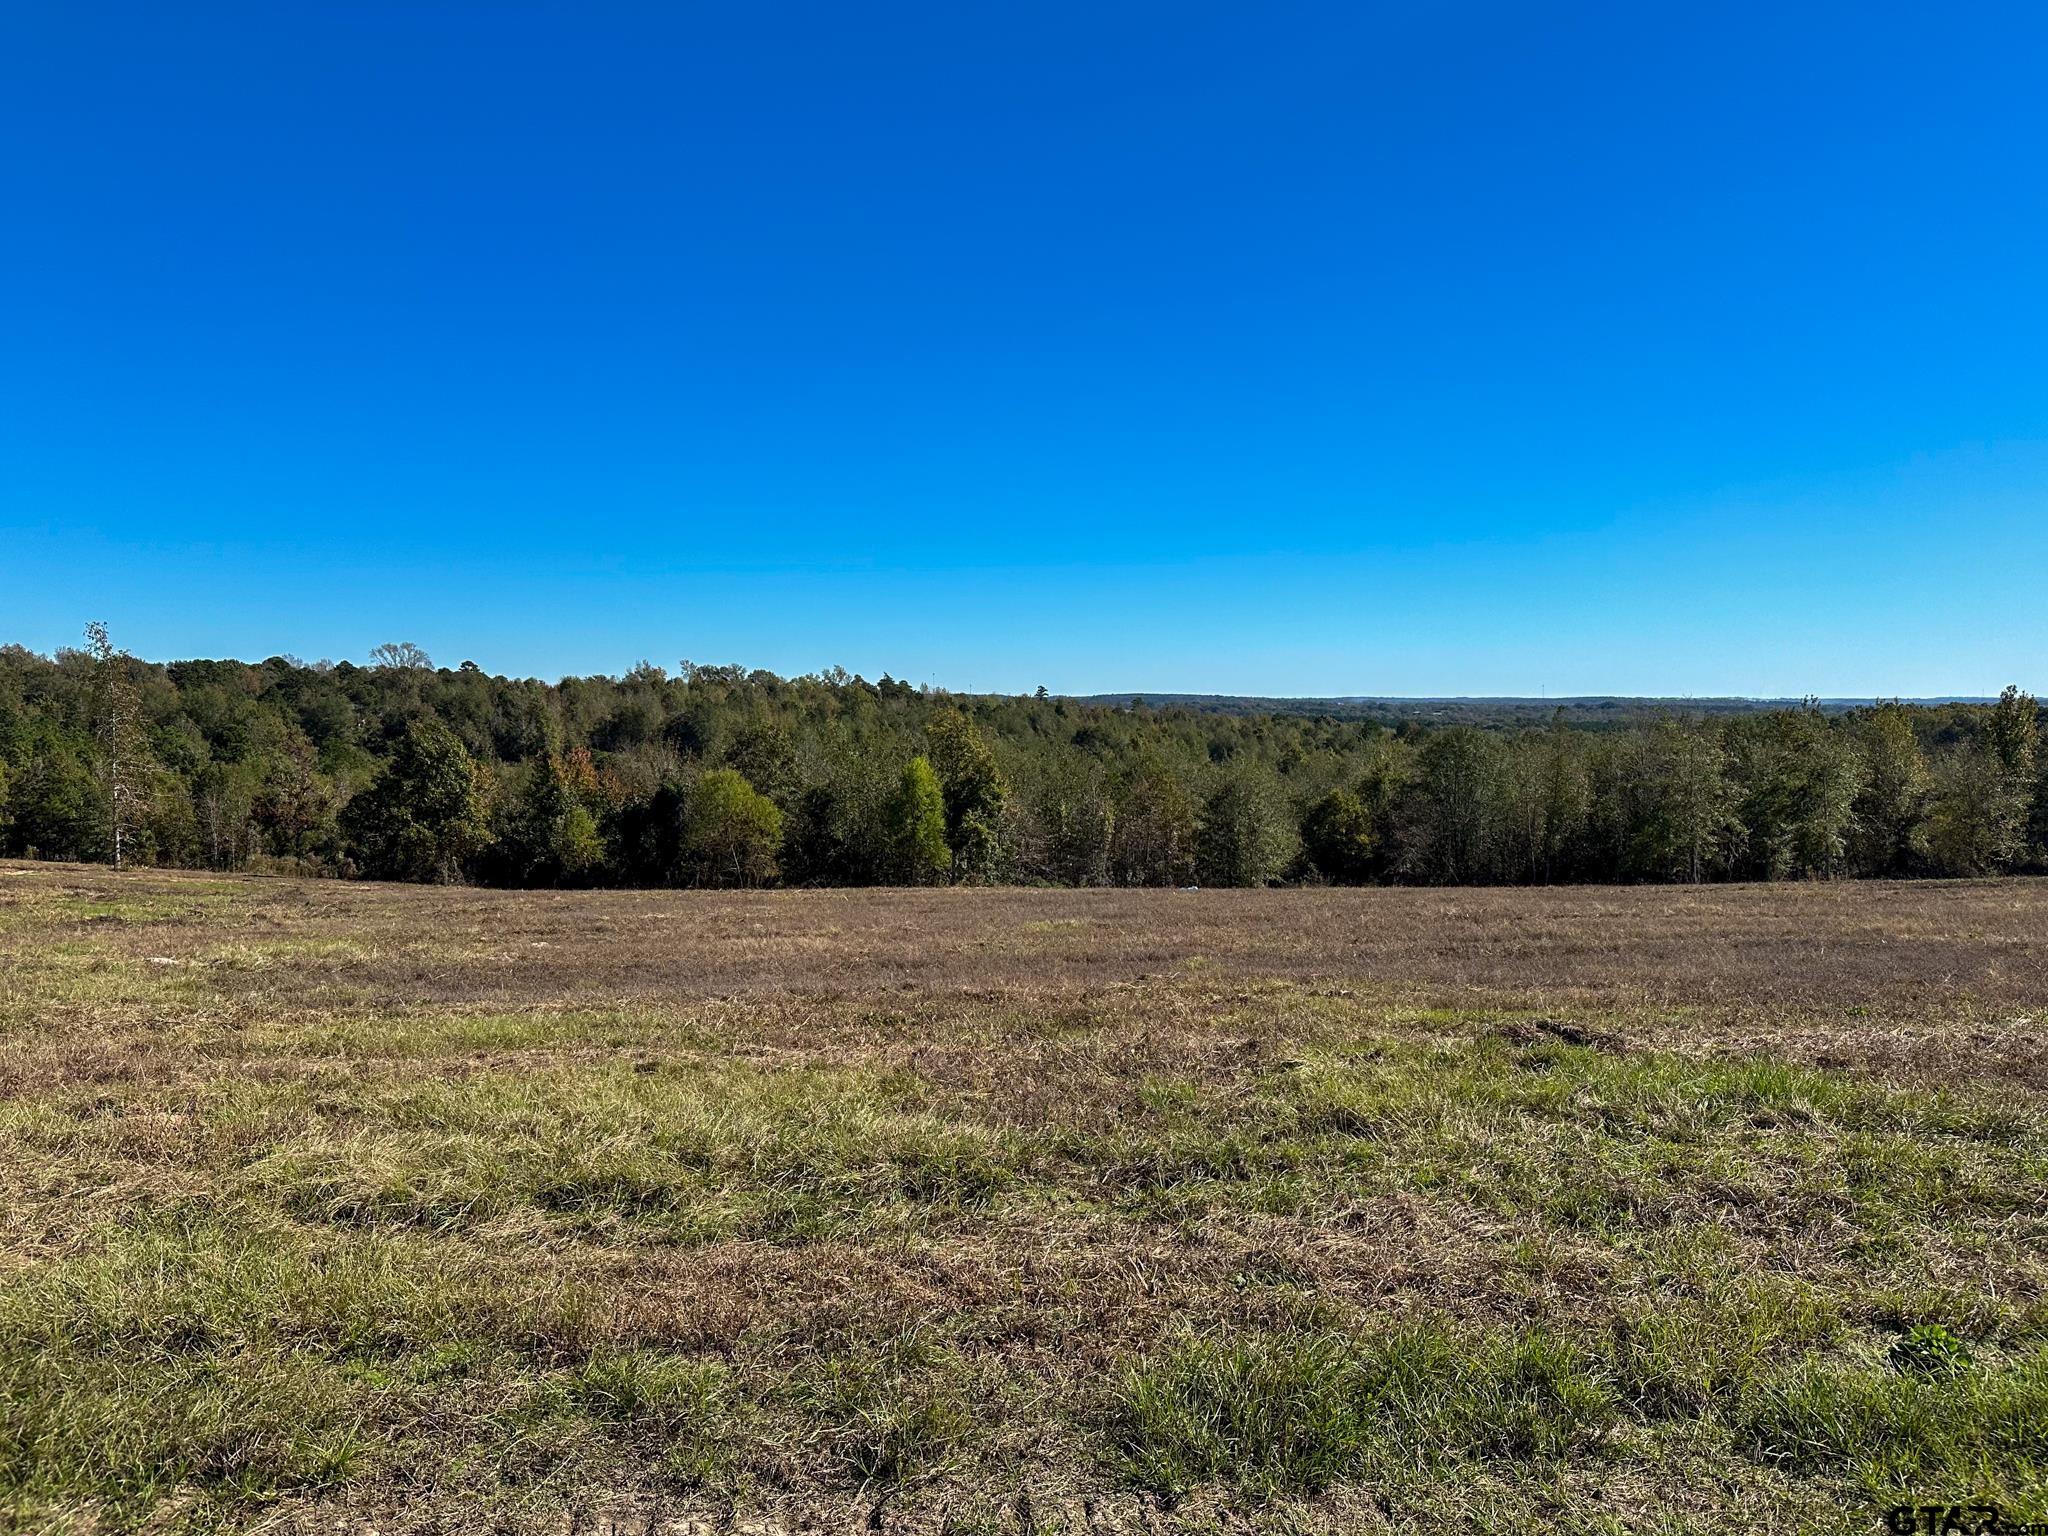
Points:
(1592, 710)
(722, 776)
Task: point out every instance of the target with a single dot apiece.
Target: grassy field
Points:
(335, 1206)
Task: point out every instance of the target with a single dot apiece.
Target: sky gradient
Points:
(1278, 349)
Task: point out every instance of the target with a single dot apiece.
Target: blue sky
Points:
(1278, 348)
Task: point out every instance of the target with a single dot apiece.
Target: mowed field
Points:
(334, 1207)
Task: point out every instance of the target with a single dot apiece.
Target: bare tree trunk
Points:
(114, 792)
(120, 726)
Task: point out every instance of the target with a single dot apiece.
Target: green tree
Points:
(546, 834)
(1152, 841)
(1563, 795)
(840, 830)
(1246, 835)
(241, 758)
(1976, 828)
(1524, 834)
(917, 826)
(763, 754)
(975, 793)
(1984, 791)
(731, 831)
(1452, 814)
(294, 809)
(1683, 824)
(1890, 832)
(1799, 780)
(1337, 836)
(55, 802)
(812, 853)
(2037, 819)
(2014, 735)
(1075, 824)
(424, 815)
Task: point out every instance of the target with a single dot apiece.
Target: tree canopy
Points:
(721, 775)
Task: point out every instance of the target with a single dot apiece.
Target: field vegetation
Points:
(343, 1205)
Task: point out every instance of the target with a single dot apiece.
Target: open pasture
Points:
(331, 1206)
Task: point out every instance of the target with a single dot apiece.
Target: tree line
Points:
(721, 776)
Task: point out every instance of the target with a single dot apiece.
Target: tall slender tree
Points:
(917, 826)
(975, 793)
(2014, 736)
(123, 749)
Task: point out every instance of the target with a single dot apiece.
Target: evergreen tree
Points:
(424, 815)
(244, 762)
(917, 826)
(975, 793)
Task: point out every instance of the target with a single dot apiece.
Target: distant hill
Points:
(1589, 710)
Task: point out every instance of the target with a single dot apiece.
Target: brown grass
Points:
(915, 1207)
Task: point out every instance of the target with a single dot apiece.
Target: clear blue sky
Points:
(1342, 348)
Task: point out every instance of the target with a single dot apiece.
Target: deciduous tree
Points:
(1246, 835)
(1337, 836)
(731, 831)
(1890, 831)
(1075, 824)
(1684, 820)
(1157, 822)
(1450, 816)
(401, 656)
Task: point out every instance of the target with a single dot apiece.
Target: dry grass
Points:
(1018, 1211)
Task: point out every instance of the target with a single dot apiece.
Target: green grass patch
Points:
(1290, 1412)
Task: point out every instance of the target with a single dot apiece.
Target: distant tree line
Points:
(719, 776)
